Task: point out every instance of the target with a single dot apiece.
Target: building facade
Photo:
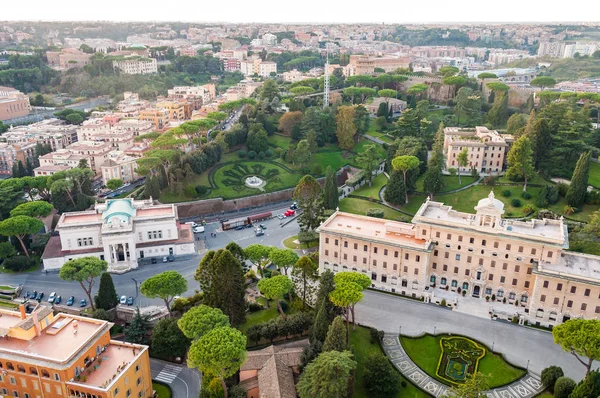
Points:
(67, 58)
(486, 149)
(521, 265)
(366, 65)
(52, 132)
(121, 232)
(136, 65)
(119, 165)
(13, 103)
(11, 154)
(49, 356)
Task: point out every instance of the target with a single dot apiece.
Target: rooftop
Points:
(53, 249)
(581, 266)
(115, 358)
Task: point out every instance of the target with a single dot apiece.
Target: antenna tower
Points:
(326, 80)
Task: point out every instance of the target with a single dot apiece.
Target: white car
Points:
(193, 224)
(52, 297)
(198, 229)
(280, 216)
(123, 300)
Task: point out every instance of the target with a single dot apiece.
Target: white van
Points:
(193, 224)
(198, 229)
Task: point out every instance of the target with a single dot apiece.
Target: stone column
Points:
(114, 255)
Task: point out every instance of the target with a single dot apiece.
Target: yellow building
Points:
(43, 355)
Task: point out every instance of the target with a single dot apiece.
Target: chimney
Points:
(22, 310)
(36, 323)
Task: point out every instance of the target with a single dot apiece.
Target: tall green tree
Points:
(327, 376)
(84, 270)
(106, 298)
(468, 103)
(283, 258)
(346, 129)
(220, 352)
(114, 183)
(21, 227)
(434, 182)
(138, 328)
(543, 82)
(326, 286)
(275, 288)
(168, 340)
(408, 124)
(221, 279)
(580, 337)
(165, 285)
(200, 320)
(463, 161)
(330, 190)
(498, 114)
(380, 377)
(520, 161)
(309, 196)
(515, 123)
(395, 190)
(37, 209)
(368, 160)
(404, 164)
(579, 182)
(259, 255)
(304, 275)
(336, 336)
(302, 153)
(588, 387)
(541, 141)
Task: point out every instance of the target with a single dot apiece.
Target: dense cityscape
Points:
(260, 210)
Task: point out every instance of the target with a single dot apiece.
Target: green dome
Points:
(120, 208)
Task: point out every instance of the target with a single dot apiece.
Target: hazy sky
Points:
(315, 11)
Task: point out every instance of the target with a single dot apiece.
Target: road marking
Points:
(168, 374)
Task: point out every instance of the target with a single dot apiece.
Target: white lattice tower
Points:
(326, 81)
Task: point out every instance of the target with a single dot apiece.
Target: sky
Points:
(303, 11)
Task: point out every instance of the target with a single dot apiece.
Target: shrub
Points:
(317, 169)
(526, 195)
(493, 297)
(403, 384)
(553, 195)
(242, 153)
(374, 335)
(490, 181)
(190, 191)
(550, 375)
(452, 171)
(515, 202)
(305, 170)
(261, 155)
(562, 190)
(474, 173)
(375, 213)
(563, 387)
(443, 303)
(17, 263)
(236, 391)
(201, 190)
(254, 307)
(269, 153)
(284, 305)
(592, 197)
(506, 193)
(380, 378)
(528, 209)
(251, 154)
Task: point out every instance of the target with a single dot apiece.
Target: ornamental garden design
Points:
(460, 357)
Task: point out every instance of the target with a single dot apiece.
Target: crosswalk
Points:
(168, 374)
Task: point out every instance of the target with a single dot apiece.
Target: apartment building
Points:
(48, 355)
(119, 165)
(524, 264)
(487, 149)
(176, 110)
(136, 65)
(366, 64)
(101, 131)
(157, 116)
(52, 132)
(13, 103)
(11, 154)
(231, 64)
(256, 66)
(207, 93)
(67, 58)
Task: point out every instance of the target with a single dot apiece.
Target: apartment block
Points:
(366, 65)
(13, 103)
(48, 355)
(256, 66)
(11, 154)
(52, 132)
(157, 116)
(487, 149)
(136, 65)
(67, 58)
(119, 165)
(206, 92)
(102, 131)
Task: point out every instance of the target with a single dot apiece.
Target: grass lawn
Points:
(7, 304)
(594, 178)
(426, 351)
(545, 394)
(280, 141)
(361, 341)
(359, 206)
(33, 268)
(372, 191)
(452, 182)
(162, 390)
(289, 243)
(254, 318)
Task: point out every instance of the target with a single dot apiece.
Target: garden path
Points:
(526, 387)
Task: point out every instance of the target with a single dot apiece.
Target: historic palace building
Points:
(120, 231)
(43, 355)
(446, 253)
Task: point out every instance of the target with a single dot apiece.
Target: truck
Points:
(245, 221)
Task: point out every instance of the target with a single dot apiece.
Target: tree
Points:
(288, 121)
(74, 118)
(387, 94)
(302, 90)
(520, 161)
(588, 387)
(550, 375)
(405, 164)
(362, 280)
(433, 182)
(543, 82)
(257, 138)
(168, 340)
(201, 319)
(309, 196)
(395, 190)
(7, 250)
(138, 328)
(380, 378)
(106, 298)
(467, 103)
(83, 270)
(346, 129)
(304, 274)
(259, 255)
(563, 387)
(580, 337)
(515, 123)
(20, 227)
(408, 123)
(221, 279)
(579, 182)
(114, 183)
(455, 81)
(336, 338)
(283, 258)
(498, 87)
(541, 141)
(473, 387)
(330, 190)
(327, 376)
(463, 160)
(237, 252)
(220, 352)
(368, 160)
(275, 288)
(37, 209)
(417, 89)
(165, 285)
(346, 295)
(326, 286)
(311, 138)
(498, 113)
(302, 153)
(269, 90)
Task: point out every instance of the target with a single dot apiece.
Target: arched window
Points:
(45, 373)
(9, 366)
(21, 368)
(454, 283)
(465, 286)
(432, 279)
(443, 282)
(33, 370)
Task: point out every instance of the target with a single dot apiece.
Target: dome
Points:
(120, 208)
(490, 203)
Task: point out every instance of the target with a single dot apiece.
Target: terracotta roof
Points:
(53, 249)
(42, 312)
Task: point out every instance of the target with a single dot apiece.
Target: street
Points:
(184, 382)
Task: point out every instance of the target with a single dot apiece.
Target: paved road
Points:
(519, 344)
(184, 382)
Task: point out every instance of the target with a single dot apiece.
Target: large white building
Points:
(121, 232)
(136, 65)
(256, 66)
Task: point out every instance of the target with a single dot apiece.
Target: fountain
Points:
(254, 182)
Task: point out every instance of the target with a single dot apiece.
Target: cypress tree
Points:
(107, 295)
(318, 331)
(330, 190)
(336, 336)
(395, 189)
(326, 286)
(433, 181)
(579, 182)
(541, 139)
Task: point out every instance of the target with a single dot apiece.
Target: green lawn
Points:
(289, 243)
(594, 178)
(280, 141)
(7, 304)
(359, 206)
(254, 318)
(33, 268)
(372, 191)
(452, 182)
(361, 341)
(162, 390)
(426, 351)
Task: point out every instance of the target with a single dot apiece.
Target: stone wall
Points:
(437, 90)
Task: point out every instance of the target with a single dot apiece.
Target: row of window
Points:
(82, 394)
(364, 261)
(455, 148)
(154, 234)
(4, 392)
(34, 384)
(483, 242)
(375, 250)
(85, 242)
(573, 290)
(32, 370)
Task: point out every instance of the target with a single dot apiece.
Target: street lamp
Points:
(493, 343)
(136, 287)
(528, 364)
(434, 330)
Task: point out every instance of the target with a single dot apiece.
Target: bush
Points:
(261, 155)
(506, 193)
(374, 335)
(254, 307)
(526, 195)
(251, 155)
(375, 213)
(515, 202)
(305, 170)
(528, 209)
(201, 190)
(380, 378)
(562, 190)
(269, 153)
(242, 153)
(236, 391)
(17, 263)
(474, 173)
(284, 305)
(592, 197)
(490, 181)
(550, 375)
(443, 303)
(317, 169)
(190, 191)
(563, 387)
(553, 195)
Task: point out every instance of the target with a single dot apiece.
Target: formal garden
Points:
(450, 359)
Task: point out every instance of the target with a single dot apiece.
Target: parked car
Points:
(222, 220)
(289, 213)
(26, 294)
(170, 259)
(57, 300)
(262, 226)
(280, 216)
(153, 260)
(33, 295)
(249, 226)
(198, 229)
(129, 300)
(123, 300)
(165, 259)
(70, 301)
(39, 296)
(193, 224)
(259, 232)
(51, 297)
(82, 303)
(294, 206)
(239, 227)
